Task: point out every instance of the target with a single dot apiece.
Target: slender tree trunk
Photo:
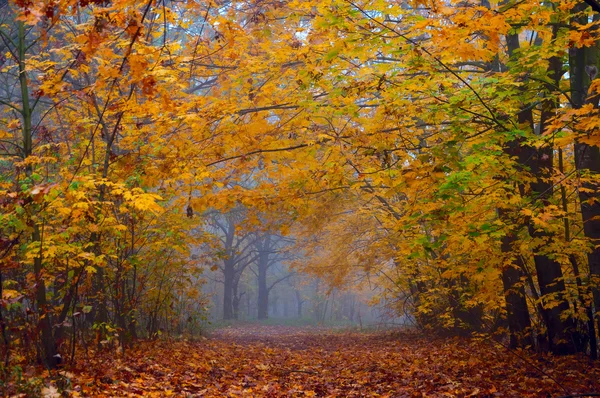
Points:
(236, 304)
(274, 310)
(285, 308)
(248, 307)
(131, 321)
(228, 276)
(581, 291)
(299, 303)
(263, 291)
(45, 315)
(3, 330)
(517, 313)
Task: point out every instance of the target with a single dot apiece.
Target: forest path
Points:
(277, 361)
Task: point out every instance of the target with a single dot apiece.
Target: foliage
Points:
(240, 362)
(450, 163)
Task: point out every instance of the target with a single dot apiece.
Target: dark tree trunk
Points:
(228, 276)
(236, 306)
(583, 62)
(236, 299)
(133, 328)
(588, 159)
(548, 270)
(299, 303)
(49, 356)
(540, 163)
(248, 307)
(517, 313)
(263, 290)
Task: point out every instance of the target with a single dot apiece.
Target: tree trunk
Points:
(583, 62)
(45, 315)
(49, 355)
(285, 308)
(517, 313)
(540, 163)
(548, 270)
(587, 159)
(248, 307)
(299, 302)
(236, 306)
(228, 276)
(263, 290)
(236, 296)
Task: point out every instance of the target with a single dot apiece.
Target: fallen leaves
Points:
(270, 361)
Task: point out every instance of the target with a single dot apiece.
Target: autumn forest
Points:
(338, 198)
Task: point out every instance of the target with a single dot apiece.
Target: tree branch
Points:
(281, 280)
(594, 4)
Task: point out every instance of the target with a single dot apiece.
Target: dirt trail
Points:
(272, 361)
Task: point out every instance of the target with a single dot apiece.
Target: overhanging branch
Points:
(594, 4)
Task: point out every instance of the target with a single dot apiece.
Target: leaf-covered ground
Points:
(276, 361)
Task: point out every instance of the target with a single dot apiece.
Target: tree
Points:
(236, 252)
(271, 251)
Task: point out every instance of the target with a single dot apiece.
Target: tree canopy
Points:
(445, 152)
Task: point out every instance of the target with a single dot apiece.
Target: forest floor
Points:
(279, 361)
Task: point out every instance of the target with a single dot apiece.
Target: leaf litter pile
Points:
(277, 361)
